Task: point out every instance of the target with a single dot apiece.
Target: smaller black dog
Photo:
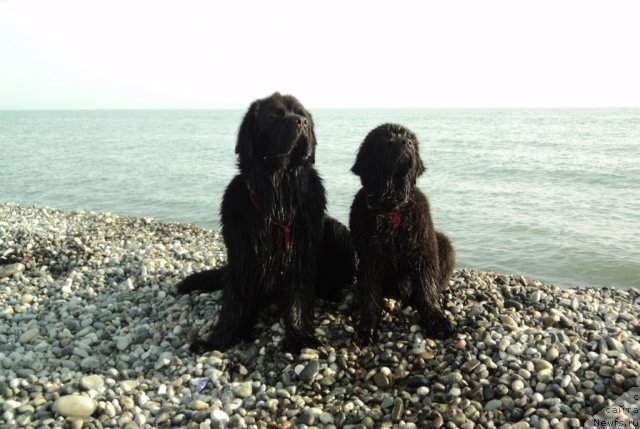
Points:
(400, 254)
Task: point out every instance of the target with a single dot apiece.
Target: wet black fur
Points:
(276, 183)
(412, 262)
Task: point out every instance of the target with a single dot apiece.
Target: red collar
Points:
(394, 215)
(286, 228)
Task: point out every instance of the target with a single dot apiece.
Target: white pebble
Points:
(219, 416)
(423, 391)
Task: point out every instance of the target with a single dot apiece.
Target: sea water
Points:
(550, 194)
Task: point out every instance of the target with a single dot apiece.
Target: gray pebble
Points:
(493, 405)
(243, 390)
(90, 362)
(310, 371)
(29, 335)
(398, 409)
(381, 380)
(123, 342)
(541, 364)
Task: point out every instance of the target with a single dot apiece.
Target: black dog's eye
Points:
(275, 114)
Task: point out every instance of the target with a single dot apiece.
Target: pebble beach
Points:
(93, 335)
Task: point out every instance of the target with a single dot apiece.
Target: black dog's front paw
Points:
(203, 346)
(293, 344)
(437, 326)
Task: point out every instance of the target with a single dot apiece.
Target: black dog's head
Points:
(388, 164)
(276, 134)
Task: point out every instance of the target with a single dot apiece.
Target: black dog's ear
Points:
(314, 142)
(365, 152)
(244, 145)
(358, 165)
(420, 168)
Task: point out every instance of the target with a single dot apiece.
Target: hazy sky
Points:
(207, 54)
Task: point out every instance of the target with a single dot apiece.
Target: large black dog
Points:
(281, 246)
(400, 254)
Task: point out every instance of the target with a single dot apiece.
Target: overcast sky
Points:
(210, 54)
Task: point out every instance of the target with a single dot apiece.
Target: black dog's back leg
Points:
(204, 281)
(447, 260)
(336, 260)
(425, 298)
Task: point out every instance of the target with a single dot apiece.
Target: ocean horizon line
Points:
(326, 108)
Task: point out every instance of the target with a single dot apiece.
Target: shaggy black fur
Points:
(281, 246)
(400, 254)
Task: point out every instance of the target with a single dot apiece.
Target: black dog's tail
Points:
(336, 260)
(447, 260)
(204, 281)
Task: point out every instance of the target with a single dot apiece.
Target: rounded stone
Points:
(398, 409)
(123, 342)
(310, 371)
(75, 406)
(92, 382)
(422, 391)
(493, 405)
(381, 380)
(11, 269)
(198, 405)
(29, 335)
(27, 298)
(545, 375)
(163, 360)
(325, 418)
(541, 364)
(243, 390)
(90, 362)
(219, 416)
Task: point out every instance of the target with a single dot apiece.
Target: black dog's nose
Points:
(301, 121)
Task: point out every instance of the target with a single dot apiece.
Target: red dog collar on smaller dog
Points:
(286, 228)
(394, 215)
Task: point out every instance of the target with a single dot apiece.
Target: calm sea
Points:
(551, 194)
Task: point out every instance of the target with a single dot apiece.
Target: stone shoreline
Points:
(92, 335)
